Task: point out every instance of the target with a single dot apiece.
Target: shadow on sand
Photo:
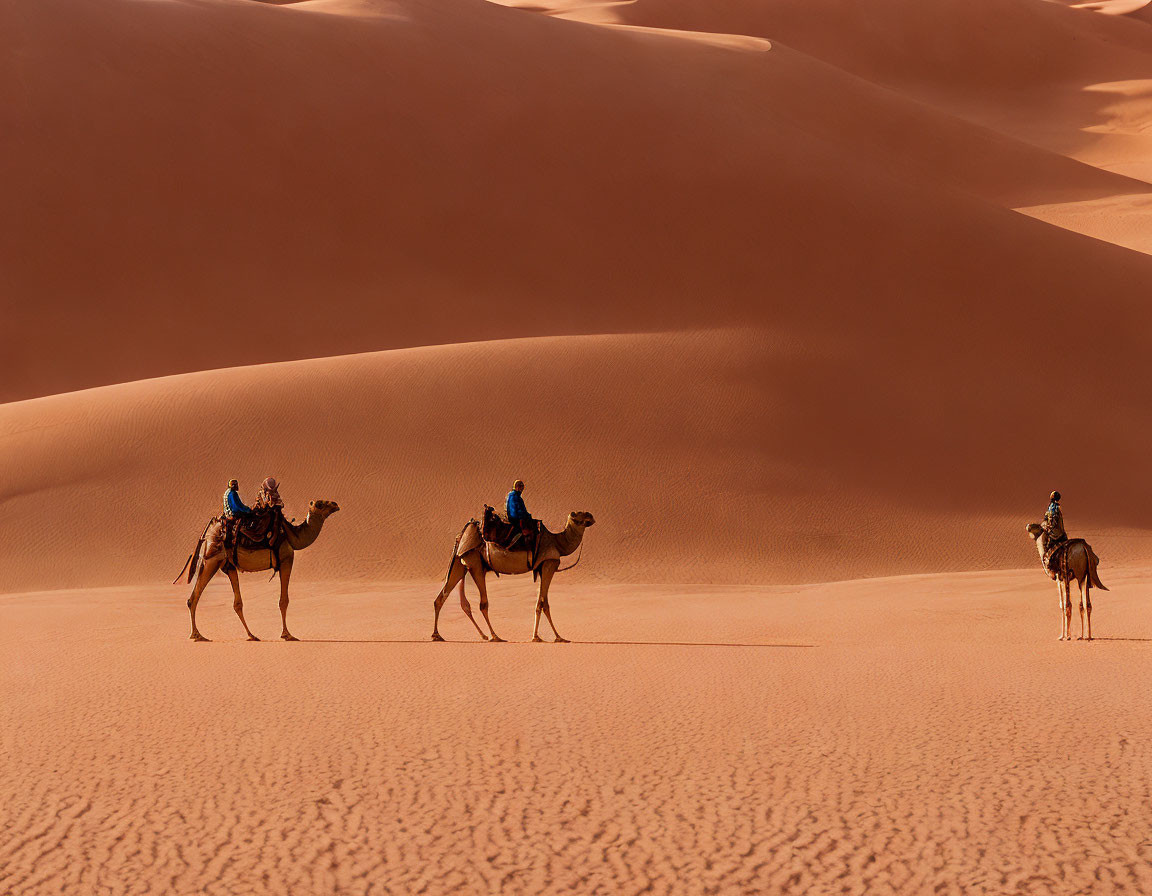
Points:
(588, 643)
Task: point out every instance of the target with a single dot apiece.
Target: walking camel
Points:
(1077, 563)
(476, 556)
(210, 556)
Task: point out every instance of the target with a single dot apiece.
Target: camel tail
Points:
(1093, 562)
(452, 559)
(180, 574)
(192, 564)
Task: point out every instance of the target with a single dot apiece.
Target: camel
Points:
(295, 538)
(473, 555)
(1079, 563)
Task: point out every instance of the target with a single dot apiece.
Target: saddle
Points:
(1056, 557)
(260, 528)
(498, 531)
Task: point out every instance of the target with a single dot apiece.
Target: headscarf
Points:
(269, 493)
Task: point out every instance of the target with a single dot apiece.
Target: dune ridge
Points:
(728, 456)
(364, 177)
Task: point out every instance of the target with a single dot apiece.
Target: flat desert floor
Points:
(916, 734)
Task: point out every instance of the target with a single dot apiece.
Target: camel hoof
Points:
(253, 638)
(288, 637)
(560, 640)
(536, 639)
(196, 636)
(436, 636)
(494, 640)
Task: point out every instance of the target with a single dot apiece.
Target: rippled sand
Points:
(889, 735)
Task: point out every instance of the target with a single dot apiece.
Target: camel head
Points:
(581, 518)
(1035, 530)
(323, 509)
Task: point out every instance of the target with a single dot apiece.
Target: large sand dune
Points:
(198, 185)
(745, 456)
(782, 291)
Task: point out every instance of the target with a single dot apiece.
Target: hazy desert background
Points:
(810, 302)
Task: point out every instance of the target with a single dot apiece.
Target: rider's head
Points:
(233, 484)
(1055, 496)
(518, 485)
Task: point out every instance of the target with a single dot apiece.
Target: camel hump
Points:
(470, 539)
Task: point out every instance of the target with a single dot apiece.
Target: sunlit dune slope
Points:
(196, 185)
(1065, 78)
(715, 457)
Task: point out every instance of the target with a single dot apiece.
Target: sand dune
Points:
(784, 293)
(743, 457)
(239, 182)
(931, 737)
(1069, 80)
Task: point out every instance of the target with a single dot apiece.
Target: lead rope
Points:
(579, 554)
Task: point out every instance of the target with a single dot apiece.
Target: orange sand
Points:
(783, 291)
(932, 737)
(204, 184)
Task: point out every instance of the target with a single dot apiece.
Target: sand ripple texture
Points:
(917, 735)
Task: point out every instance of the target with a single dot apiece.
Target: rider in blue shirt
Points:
(516, 509)
(233, 506)
(518, 516)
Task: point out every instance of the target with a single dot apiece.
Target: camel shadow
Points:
(1144, 640)
(363, 641)
(588, 643)
(684, 644)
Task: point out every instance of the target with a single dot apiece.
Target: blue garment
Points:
(1053, 508)
(233, 506)
(517, 512)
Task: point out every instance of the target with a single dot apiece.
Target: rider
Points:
(269, 496)
(1053, 525)
(518, 516)
(233, 506)
(1054, 520)
(234, 509)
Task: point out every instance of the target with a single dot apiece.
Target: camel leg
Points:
(1060, 591)
(238, 603)
(456, 573)
(1081, 587)
(208, 568)
(285, 575)
(477, 570)
(547, 570)
(467, 608)
(1067, 606)
(1086, 605)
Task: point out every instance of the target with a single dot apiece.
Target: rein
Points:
(579, 554)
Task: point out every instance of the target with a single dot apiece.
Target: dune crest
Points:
(378, 161)
(738, 457)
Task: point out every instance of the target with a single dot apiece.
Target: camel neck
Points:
(303, 535)
(569, 539)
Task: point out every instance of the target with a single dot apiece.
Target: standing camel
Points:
(1078, 563)
(476, 556)
(211, 556)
